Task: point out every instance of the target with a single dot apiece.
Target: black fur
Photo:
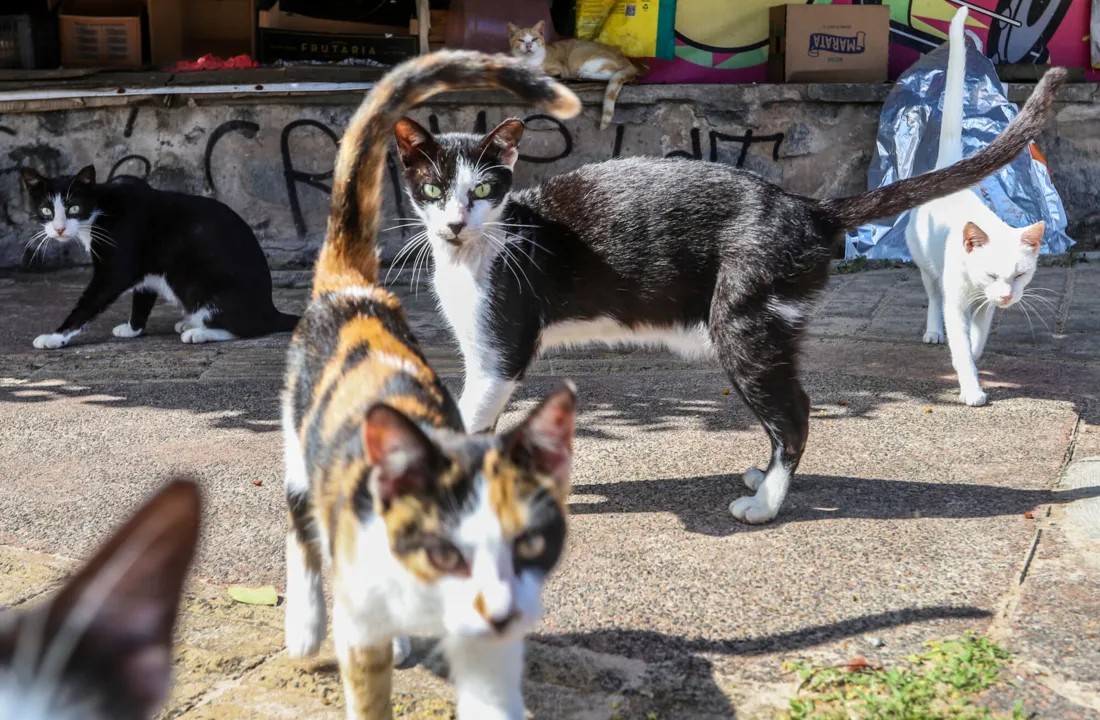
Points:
(208, 256)
(680, 243)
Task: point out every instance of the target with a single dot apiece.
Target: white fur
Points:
(159, 285)
(63, 228)
(205, 335)
(125, 331)
(304, 621)
(52, 341)
(771, 489)
(964, 287)
(692, 342)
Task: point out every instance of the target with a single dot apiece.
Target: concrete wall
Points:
(271, 161)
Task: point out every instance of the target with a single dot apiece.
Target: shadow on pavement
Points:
(701, 502)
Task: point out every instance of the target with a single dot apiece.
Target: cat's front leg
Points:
(483, 399)
(366, 670)
(143, 303)
(980, 323)
(488, 677)
(957, 324)
(96, 298)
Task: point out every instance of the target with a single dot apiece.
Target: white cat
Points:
(971, 261)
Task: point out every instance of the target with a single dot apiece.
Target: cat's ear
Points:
(544, 442)
(120, 609)
(86, 176)
(32, 180)
(538, 27)
(512, 29)
(973, 237)
(405, 459)
(1032, 236)
(413, 141)
(505, 139)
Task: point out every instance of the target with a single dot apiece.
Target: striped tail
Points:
(614, 85)
(349, 255)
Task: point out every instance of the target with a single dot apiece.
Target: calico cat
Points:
(970, 260)
(188, 250)
(575, 60)
(427, 529)
(699, 257)
(101, 647)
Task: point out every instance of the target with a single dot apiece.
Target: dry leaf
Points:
(928, 410)
(265, 595)
(858, 664)
(1029, 515)
(257, 483)
(843, 403)
(726, 391)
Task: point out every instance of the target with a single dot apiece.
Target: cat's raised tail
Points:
(951, 141)
(349, 254)
(851, 212)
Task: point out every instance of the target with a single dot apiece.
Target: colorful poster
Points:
(727, 40)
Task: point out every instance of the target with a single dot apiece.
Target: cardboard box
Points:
(292, 45)
(828, 43)
(101, 33)
(189, 29)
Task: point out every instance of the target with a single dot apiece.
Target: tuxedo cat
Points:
(702, 258)
(101, 647)
(190, 251)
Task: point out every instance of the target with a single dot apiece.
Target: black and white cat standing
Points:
(698, 257)
(191, 251)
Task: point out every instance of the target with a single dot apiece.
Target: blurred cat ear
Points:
(406, 461)
(973, 237)
(1032, 236)
(511, 29)
(539, 26)
(505, 139)
(32, 180)
(120, 610)
(544, 442)
(86, 176)
(413, 141)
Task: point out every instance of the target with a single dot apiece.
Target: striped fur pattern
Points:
(701, 258)
(427, 530)
(101, 647)
(575, 60)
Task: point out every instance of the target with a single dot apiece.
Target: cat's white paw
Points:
(752, 511)
(752, 478)
(973, 398)
(186, 324)
(205, 335)
(305, 627)
(933, 337)
(402, 649)
(125, 331)
(51, 341)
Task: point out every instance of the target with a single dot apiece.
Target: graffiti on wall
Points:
(555, 143)
(730, 43)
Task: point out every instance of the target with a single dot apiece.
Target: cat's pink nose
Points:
(1005, 299)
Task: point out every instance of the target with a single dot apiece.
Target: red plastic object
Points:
(212, 62)
(483, 24)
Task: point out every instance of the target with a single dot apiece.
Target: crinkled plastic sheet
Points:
(908, 141)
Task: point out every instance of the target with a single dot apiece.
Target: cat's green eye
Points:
(432, 191)
(46, 212)
(74, 209)
(530, 547)
(483, 190)
(446, 557)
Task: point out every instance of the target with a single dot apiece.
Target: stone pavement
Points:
(906, 522)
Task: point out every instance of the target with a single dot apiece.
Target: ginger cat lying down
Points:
(575, 60)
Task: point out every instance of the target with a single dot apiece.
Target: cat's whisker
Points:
(437, 170)
(1038, 315)
(416, 268)
(405, 254)
(511, 262)
(404, 225)
(505, 259)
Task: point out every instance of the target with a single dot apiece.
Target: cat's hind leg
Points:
(143, 303)
(204, 326)
(758, 350)
(304, 620)
(933, 327)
